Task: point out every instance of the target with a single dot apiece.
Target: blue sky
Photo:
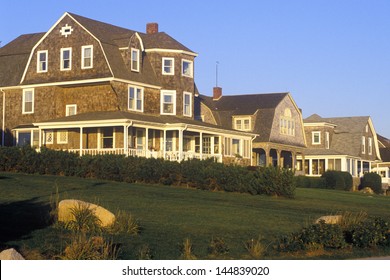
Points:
(332, 56)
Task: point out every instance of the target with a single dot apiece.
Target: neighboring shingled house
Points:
(275, 118)
(95, 88)
(344, 144)
(383, 168)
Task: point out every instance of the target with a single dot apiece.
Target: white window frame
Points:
(242, 127)
(191, 68)
(171, 93)
(369, 145)
(68, 107)
(313, 138)
(172, 67)
(83, 48)
(49, 133)
(39, 62)
(132, 106)
(135, 63)
(187, 105)
(25, 91)
(59, 139)
(327, 143)
(363, 144)
(62, 59)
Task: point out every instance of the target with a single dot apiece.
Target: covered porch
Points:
(88, 134)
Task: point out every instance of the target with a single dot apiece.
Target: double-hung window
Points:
(66, 59)
(168, 66)
(363, 144)
(87, 57)
(71, 110)
(135, 60)
(168, 102)
(187, 68)
(136, 99)
(316, 137)
(187, 104)
(369, 145)
(243, 124)
(42, 58)
(28, 101)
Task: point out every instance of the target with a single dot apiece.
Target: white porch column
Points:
(126, 140)
(212, 145)
(165, 144)
(81, 141)
(147, 152)
(181, 132)
(40, 139)
(361, 169)
(201, 145)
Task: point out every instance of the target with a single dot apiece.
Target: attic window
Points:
(66, 30)
(242, 124)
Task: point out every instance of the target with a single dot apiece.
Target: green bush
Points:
(309, 182)
(371, 233)
(338, 180)
(274, 181)
(205, 174)
(373, 181)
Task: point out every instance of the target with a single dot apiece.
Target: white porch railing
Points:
(170, 155)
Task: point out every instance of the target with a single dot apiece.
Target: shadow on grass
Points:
(19, 219)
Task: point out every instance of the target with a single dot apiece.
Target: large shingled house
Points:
(95, 88)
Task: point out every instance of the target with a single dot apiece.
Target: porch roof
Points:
(114, 118)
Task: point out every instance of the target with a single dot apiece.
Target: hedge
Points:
(205, 174)
(373, 181)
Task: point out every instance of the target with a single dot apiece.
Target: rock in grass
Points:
(66, 206)
(10, 254)
(335, 219)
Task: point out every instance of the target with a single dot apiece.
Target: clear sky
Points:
(333, 56)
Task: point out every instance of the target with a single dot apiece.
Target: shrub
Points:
(371, 233)
(84, 220)
(338, 180)
(373, 181)
(321, 234)
(124, 223)
(274, 181)
(309, 182)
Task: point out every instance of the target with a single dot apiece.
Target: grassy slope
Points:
(170, 214)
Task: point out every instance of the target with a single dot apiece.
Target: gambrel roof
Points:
(16, 55)
(347, 137)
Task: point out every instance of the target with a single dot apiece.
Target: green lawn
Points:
(168, 214)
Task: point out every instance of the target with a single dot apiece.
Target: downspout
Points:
(3, 122)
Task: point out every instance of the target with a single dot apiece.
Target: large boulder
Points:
(335, 219)
(65, 211)
(10, 254)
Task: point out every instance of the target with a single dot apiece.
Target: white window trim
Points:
(242, 119)
(173, 66)
(168, 92)
(327, 140)
(190, 105)
(363, 144)
(23, 101)
(135, 99)
(100, 139)
(59, 137)
(370, 146)
(319, 138)
(191, 75)
(83, 57)
(39, 62)
(62, 59)
(70, 106)
(52, 137)
(135, 69)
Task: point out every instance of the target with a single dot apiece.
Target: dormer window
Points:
(135, 60)
(87, 57)
(316, 137)
(243, 124)
(287, 123)
(168, 66)
(187, 68)
(66, 59)
(42, 61)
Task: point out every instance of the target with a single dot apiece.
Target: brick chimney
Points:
(152, 28)
(217, 93)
